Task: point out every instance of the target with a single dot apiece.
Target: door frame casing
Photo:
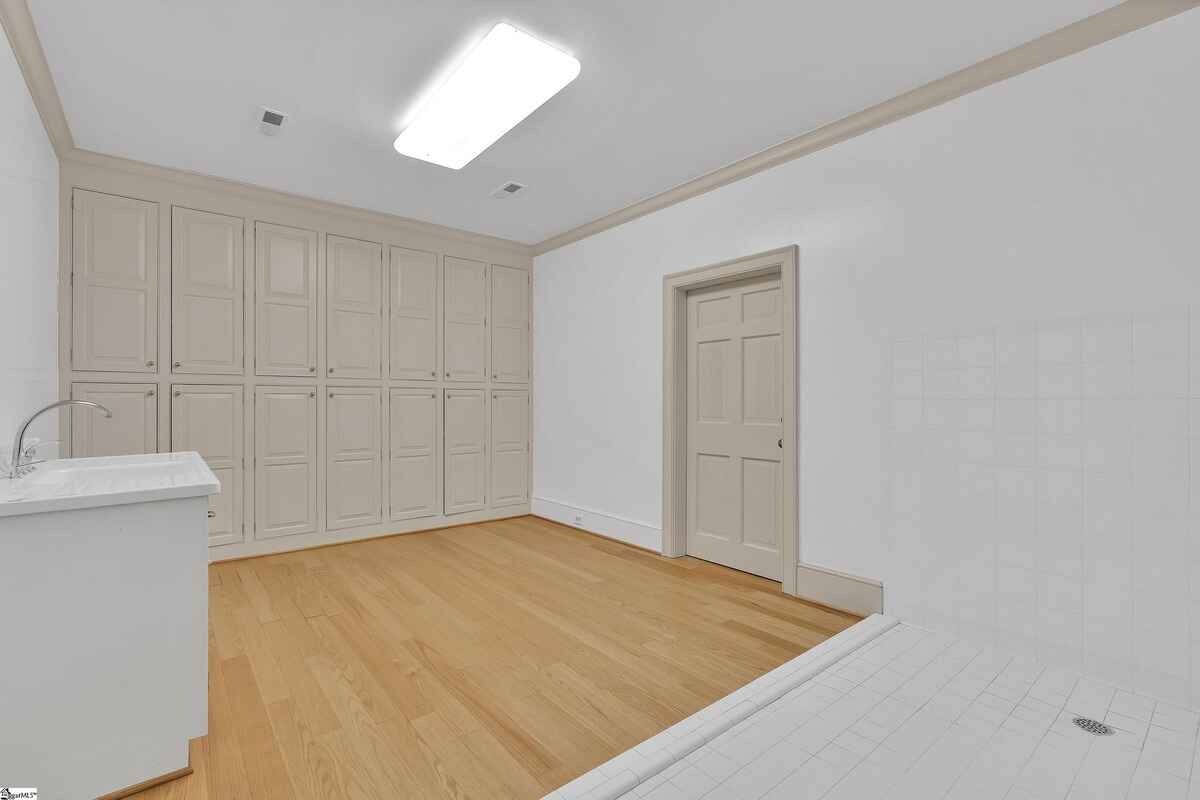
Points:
(785, 263)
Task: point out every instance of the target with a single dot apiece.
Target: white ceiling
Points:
(670, 89)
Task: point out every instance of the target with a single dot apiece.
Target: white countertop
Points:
(74, 483)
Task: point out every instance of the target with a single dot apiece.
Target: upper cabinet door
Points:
(285, 263)
(355, 299)
(285, 458)
(465, 320)
(114, 279)
(354, 472)
(412, 291)
(208, 419)
(510, 448)
(132, 429)
(510, 324)
(206, 292)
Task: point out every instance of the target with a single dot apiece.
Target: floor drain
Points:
(1093, 727)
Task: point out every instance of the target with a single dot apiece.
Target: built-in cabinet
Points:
(331, 382)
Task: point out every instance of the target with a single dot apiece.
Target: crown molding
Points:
(22, 36)
(1088, 32)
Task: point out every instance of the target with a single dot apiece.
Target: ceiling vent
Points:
(270, 121)
(508, 189)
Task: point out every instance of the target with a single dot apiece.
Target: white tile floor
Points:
(911, 715)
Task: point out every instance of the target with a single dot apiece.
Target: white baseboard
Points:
(623, 530)
(828, 587)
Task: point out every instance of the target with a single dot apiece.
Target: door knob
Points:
(312, 369)
(781, 443)
(212, 514)
(177, 365)
(331, 370)
(149, 363)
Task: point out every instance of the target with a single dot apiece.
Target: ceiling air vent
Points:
(508, 189)
(270, 121)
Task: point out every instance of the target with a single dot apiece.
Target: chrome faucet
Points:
(15, 468)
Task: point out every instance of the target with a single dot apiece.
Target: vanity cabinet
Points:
(132, 429)
(209, 420)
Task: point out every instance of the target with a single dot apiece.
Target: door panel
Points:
(466, 450)
(132, 429)
(510, 448)
(413, 304)
(735, 425)
(354, 470)
(510, 324)
(114, 277)
(465, 320)
(355, 296)
(285, 263)
(209, 420)
(285, 478)
(206, 292)
(413, 443)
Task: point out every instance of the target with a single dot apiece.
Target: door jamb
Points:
(785, 263)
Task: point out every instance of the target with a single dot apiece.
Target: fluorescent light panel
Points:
(501, 82)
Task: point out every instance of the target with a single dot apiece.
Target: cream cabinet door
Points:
(510, 324)
(132, 429)
(413, 443)
(412, 293)
(466, 450)
(354, 469)
(206, 292)
(510, 448)
(285, 460)
(355, 302)
(208, 419)
(465, 315)
(114, 279)
(285, 265)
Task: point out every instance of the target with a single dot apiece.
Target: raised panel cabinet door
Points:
(285, 266)
(510, 324)
(412, 294)
(206, 292)
(208, 419)
(354, 467)
(413, 444)
(466, 450)
(465, 315)
(355, 302)
(510, 448)
(114, 279)
(285, 460)
(132, 429)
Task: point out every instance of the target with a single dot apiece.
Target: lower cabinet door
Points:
(510, 448)
(209, 420)
(466, 450)
(132, 429)
(285, 456)
(414, 439)
(354, 470)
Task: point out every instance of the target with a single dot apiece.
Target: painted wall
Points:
(28, 259)
(1000, 341)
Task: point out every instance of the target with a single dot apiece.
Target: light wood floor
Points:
(492, 660)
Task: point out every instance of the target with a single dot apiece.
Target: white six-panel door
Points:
(735, 425)
(510, 324)
(285, 300)
(285, 468)
(354, 457)
(466, 450)
(413, 295)
(114, 279)
(132, 429)
(465, 323)
(355, 300)
(414, 445)
(206, 292)
(510, 448)
(208, 419)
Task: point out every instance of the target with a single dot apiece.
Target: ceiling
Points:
(670, 89)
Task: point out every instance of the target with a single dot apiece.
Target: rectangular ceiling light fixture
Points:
(500, 82)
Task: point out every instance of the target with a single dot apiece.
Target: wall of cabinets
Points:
(344, 374)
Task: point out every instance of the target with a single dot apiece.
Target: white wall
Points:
(28, 258)
(1000, 304)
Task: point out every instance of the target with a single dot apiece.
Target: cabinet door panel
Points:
(114, 296)
(285, 300)
(466, 450)
(354, 474)
(285, 477)
(413, 444)
(510, 324)
(465, 316)
(206, 292)
(510, 448)
(355, 296)
(132, 429)
(208, 419)
(412, 292)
